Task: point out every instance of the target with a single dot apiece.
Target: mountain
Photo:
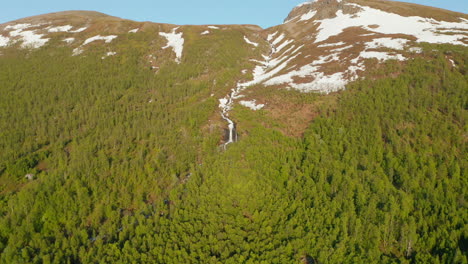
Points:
(338, 136)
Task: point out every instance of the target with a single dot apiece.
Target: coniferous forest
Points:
(124, 169)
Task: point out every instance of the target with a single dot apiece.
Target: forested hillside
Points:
(379, 176)
(350, 145)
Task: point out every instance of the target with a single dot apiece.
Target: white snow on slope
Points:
(321, 83)
(60, 29)
(308, 16)
(175, 41)
(415, 50)
(250, 42)
(77, 51)
(107, 39)
(453, 63)
(271, 36)
(271, 67)
(277, 40)
(4, 41)
(423, 29)
(206, 32)
(326, 59)
(135, 30)
(381, 56)
(284, 44)
(391, 43)
(69, 40)
(110, 53)
(304, 71)
(30, 38)
(18, 26)
(213, 27)
(79, 30)
(252, 105)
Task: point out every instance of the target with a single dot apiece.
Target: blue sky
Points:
(264, 13)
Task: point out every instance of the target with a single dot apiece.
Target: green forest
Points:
(124, 172)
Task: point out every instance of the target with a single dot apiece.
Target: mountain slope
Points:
(335, 137)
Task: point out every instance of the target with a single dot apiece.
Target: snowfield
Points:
(424, 29)
(175, 41)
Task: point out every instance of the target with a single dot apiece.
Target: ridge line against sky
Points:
(265, 13)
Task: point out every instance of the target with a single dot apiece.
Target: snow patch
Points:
(133, 30)
(107, 39)
(4, 41)
(206, 32)
(321, 83)
(213, 27)
(250, 42)
(60, 29)
(69, 40)
(424, 29)
(453, 63)
(252, 105)
(79, 30)
(110, 53)
(326, 59)
(30, 38)
(308, 16)
(277, 40)
(381, 56)
(271, 36)
(284, 44)
(416, 50)
(175, 41)
(77, 51)
(391, 43)
(18, 26)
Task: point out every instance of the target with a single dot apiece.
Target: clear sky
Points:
(264, 13)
